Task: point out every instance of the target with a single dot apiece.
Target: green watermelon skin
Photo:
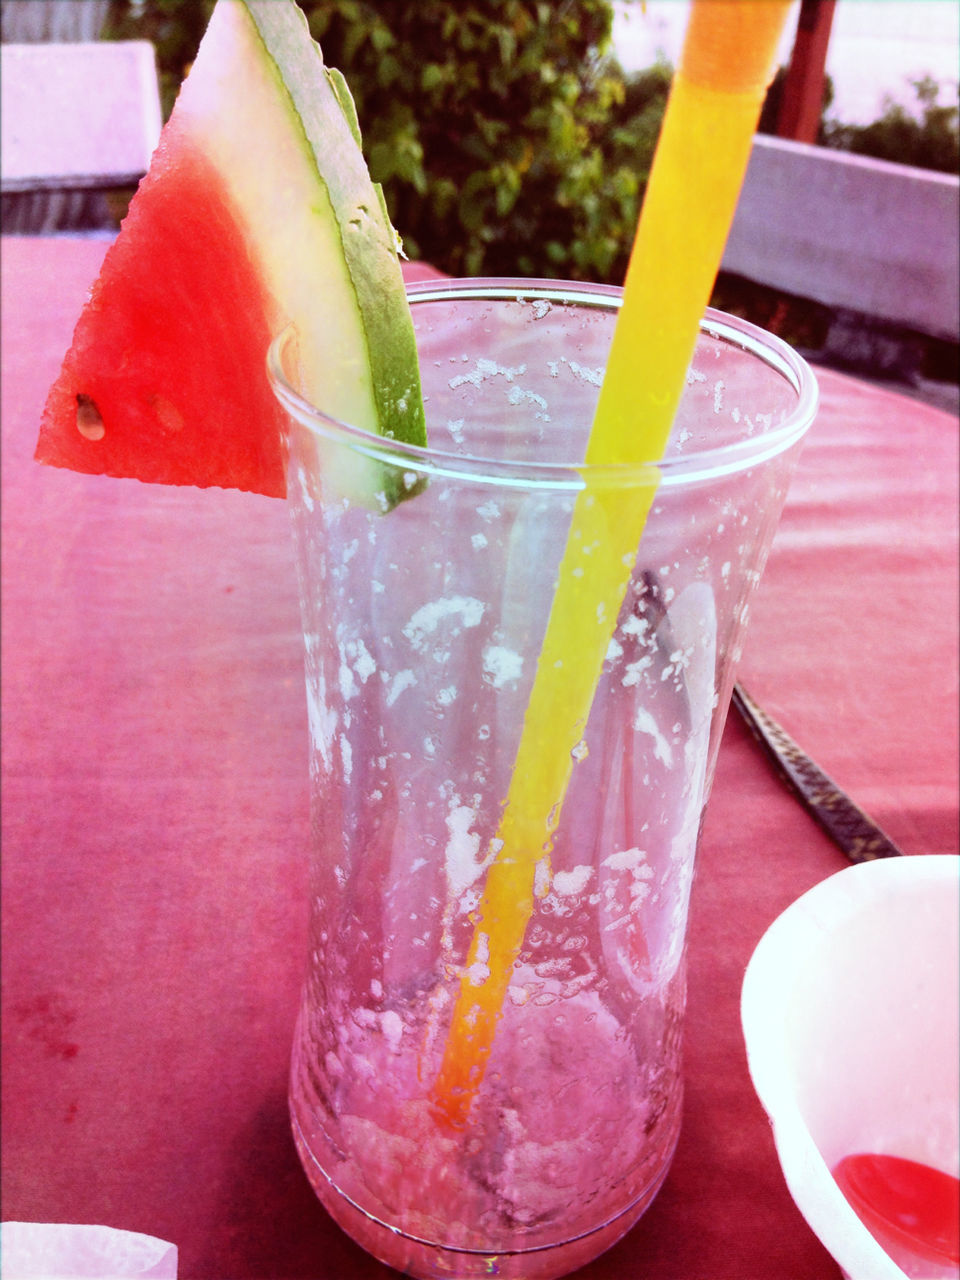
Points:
(257, 212)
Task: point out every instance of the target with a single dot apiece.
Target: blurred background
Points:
(514, 137)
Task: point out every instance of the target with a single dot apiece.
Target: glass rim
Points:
(687, 468)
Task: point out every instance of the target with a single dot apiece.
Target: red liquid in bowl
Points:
(904, 1205)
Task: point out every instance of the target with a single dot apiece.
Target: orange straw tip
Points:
(730, 44)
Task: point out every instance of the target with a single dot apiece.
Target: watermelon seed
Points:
(167, 413)
(89, 422)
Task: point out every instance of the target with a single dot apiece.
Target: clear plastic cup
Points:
(427, 577)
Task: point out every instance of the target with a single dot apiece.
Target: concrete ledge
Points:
(77, 115)
(851, 233)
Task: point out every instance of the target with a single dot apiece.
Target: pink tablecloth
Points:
(155, 825)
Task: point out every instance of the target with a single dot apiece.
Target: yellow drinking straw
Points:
(701, 158)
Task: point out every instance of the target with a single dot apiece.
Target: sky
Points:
(876, 46)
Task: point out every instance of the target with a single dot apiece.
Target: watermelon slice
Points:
(257, 211)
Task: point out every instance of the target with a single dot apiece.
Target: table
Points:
(155, 824)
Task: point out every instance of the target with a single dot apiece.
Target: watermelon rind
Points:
(321, 100)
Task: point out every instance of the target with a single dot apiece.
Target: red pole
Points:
(802, 102)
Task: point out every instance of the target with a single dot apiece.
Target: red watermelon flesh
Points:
(165, 416)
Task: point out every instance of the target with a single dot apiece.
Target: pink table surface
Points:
(155, 825)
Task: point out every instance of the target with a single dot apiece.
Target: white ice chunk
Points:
(402, 680)
(429, 616)
(568, 883)
(501, 665)
(463, 861)
(645, 723)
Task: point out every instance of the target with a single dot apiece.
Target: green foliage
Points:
(928, 136)
(507, 140)
(499, 131)
(925, 134)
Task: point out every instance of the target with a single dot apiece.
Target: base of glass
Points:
(427, 1260)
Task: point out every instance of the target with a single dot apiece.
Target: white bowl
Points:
(850, 1016)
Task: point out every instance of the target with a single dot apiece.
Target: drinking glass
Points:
(427, 578)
